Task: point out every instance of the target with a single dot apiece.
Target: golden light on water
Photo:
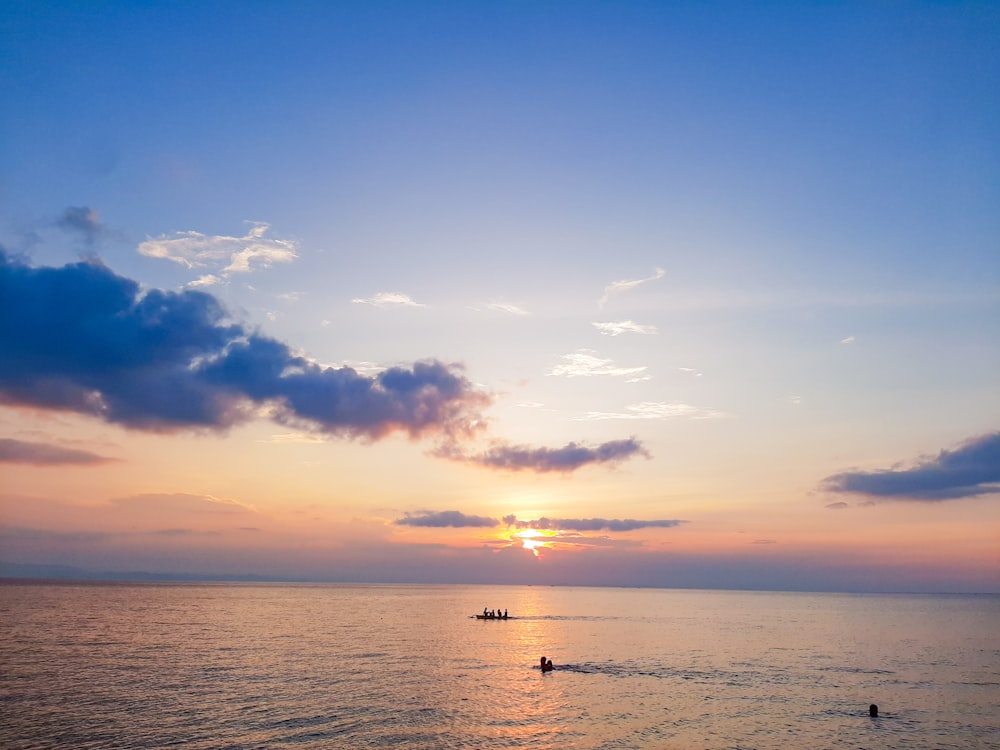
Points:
(534, 539)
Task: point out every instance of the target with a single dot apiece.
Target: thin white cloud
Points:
(689, 371)
(795, 400)
(848, 340)
(584, 364)
(292, 438)
(228, 255)
(388, 299)
(208, 279)
(616, 287)
(506, 307)
(616, 328)
(656, 410)
(291, 297)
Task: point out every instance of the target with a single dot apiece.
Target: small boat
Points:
(492, 617)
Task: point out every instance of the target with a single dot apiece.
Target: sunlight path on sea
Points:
(315, 666)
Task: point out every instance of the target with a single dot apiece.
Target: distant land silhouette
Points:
(72, 573)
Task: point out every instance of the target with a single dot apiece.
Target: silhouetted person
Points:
(546, 666)
(873, 710)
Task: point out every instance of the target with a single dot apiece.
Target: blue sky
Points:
(716, 264)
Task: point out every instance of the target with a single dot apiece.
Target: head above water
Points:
(873, 710)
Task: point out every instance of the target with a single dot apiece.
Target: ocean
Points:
(123, 665)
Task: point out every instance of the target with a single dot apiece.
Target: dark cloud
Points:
(83, 221)
(569, 458)
(83, 339)
(971, 469)
(446, 518)
(838, 505)
(22, 452)
(588, 524)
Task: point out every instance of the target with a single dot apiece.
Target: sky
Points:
(679, 294)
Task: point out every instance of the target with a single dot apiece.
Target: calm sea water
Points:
(343, 666)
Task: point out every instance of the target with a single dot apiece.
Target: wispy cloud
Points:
(292, 438)
(584, 363)
(569, 458)
(656, 410)
(689, 371)
(445, 519)
(83, 221)
(506, 307)
(208, 279)
(617, 328)
(970, 470)
(251, 252)
(41, 454)
(617, 287)
(848, 340)
(388, 299)
(182, 503)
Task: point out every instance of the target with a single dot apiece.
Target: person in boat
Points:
(545, 665)
(505, 614)
(484, 612)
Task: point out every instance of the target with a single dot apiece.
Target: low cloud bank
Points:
(81, 338)
(41, 454)
(970, 470)
(446, 519)
(588, 524)
(570, 457)
(457, 519)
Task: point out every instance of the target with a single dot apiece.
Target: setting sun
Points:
(534, 539)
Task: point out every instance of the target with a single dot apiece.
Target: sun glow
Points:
(534, 539)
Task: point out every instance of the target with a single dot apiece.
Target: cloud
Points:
(40, 454)
(83, 221)
(617, 287)
(566, 459)
(183, 505)
(388, 299)
(848, 340)
(208, 279)
(970, 470)
(232, 255)
(588, 524)
(583, 364)
(446, 519)
(656, 410)
(506, 307)
(617, 328)
(841, 505)
(81, 338)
